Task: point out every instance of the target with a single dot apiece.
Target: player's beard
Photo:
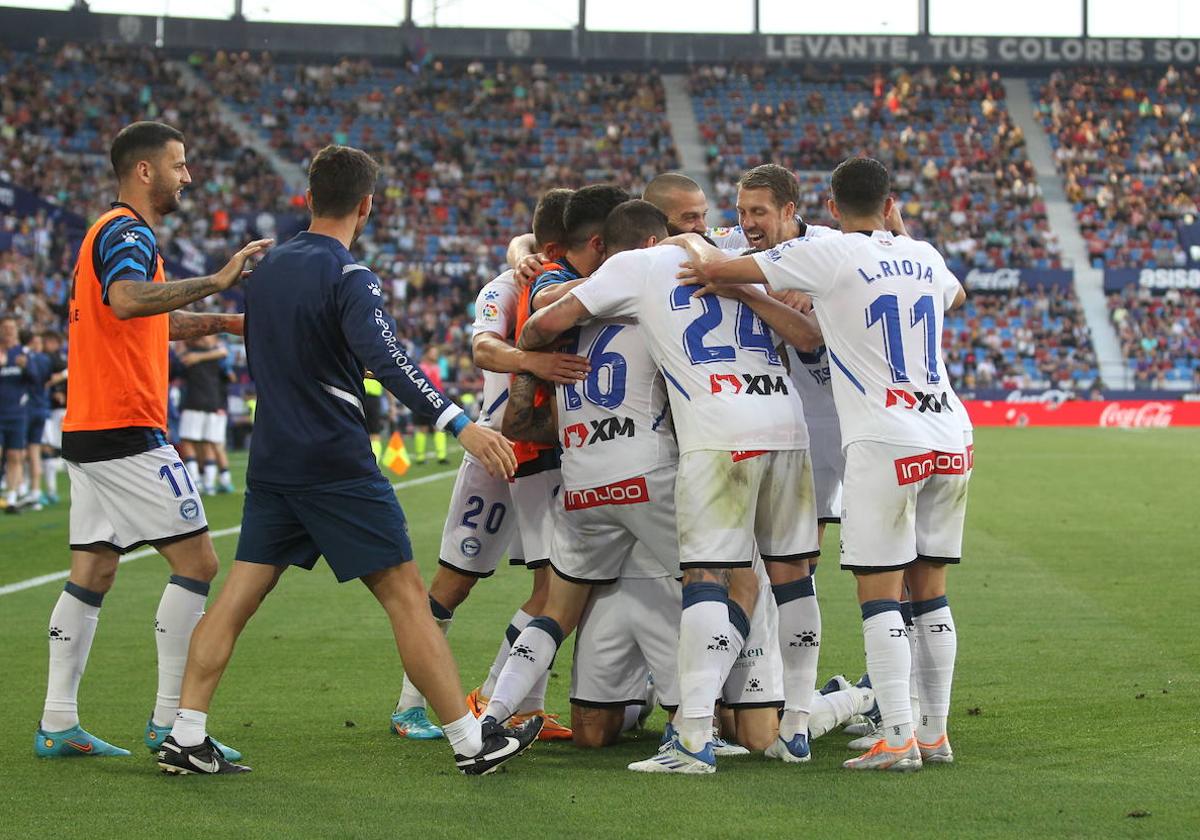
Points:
(165, 197)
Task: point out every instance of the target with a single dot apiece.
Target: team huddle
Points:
(669, 420)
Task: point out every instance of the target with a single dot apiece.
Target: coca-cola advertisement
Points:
(1118, 414)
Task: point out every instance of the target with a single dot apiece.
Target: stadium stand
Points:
(1125, 145)
(1160, 336)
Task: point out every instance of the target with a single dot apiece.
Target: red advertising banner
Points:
(1126, 414)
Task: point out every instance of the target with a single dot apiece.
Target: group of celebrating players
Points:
(686, 414)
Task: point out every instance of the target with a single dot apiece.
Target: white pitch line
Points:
(21, 585)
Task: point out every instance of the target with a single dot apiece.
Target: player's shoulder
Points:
(812, 231)
(124, 230)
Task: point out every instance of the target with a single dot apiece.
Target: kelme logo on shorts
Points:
(189, 509)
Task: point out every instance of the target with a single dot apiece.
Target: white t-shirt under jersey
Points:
(880, 301)
(727, 385)
(616, 423)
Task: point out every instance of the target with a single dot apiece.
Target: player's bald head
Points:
(682, 199)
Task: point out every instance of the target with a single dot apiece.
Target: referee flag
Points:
(395, 457)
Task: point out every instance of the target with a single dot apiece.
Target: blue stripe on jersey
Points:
(124, 243)
(137, 268)
(499, 401)
(675, 382)
(659, 418)
(853, 380)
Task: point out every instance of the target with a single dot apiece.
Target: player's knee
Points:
(595, 728)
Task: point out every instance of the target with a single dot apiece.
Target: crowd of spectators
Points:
(957, 158)
(1032, 338)
(1126, 145)
(1160, 336)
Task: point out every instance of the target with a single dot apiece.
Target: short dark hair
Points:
(770, 176)
(136, 141)
(548, 217)
(861, 186)
(668, 182)
(630, 223)
(587, 210)
(340, 177)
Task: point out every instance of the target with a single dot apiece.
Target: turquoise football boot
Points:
(415, 725)
(72, 743)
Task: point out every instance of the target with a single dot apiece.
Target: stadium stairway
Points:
(1089, 282)
(292, 174)
(685, 131)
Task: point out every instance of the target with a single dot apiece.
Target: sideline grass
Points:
(1075, 702)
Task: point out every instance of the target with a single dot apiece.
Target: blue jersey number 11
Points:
(885, 310)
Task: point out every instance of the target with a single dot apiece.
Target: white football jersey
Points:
(880, 300)
(615, 424)
(496, 312)
(727, 384)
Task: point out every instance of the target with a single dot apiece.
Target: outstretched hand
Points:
(559, 368)
(235, 269)
(491, 448)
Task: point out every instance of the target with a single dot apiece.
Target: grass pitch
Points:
(1074, 712)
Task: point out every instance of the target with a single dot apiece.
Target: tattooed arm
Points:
(135, 299)
(188, 325)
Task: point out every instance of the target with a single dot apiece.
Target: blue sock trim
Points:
(548, 626)
(785, 592)
(511, 634)
(92, 599)
(919, 608)
(200, 587)
(695, 593)
(439, 612)
(871, 608)
(738, 618)
(906, 612)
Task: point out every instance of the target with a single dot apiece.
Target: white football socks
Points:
(210, 476)
(704, 642)
(193, 468)
(190, 728)
(464, 734)
(50, 469)
(739, 632)
(72, 628)
(520, 621)
(528, 662)
(829, 711)
(937, 647)
(800, 646)
(889, 663)
(179, 611)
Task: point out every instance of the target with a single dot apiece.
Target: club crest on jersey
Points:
(918, 401)
(747, 383)
(607, 428)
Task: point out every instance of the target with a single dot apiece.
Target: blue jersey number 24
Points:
(751, 333)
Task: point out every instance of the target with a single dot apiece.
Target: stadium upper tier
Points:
(1125, 144)
(957, 158)
(465, 149)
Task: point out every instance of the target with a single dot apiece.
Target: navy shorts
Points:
(36, 430)
(13, 433)
(357, 525)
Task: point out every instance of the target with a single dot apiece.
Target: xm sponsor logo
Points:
(597, 431)
(747, 383)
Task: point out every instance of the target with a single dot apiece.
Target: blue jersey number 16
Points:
(609, 393)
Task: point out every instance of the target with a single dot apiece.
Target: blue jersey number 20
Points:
(752, 334)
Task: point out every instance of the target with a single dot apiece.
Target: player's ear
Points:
(833, 209)
(651, 242)
(364, 206)
(308, 200)
(888, 204)
(597, 244)
(789, 210)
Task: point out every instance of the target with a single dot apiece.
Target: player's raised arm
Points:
(493, 353)
(549, 323)
(798, 328)
(707, 264)
(128, 291)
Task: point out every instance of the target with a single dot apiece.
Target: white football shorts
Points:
(203, 426)
(829, 465)
(598, 527)
(730, 502)
(125, 503)
(536, 498)
(481, 523)
(902, 504)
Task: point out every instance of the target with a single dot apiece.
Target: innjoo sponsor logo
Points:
(631, 491)
(915, 468)
(1151, 415)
